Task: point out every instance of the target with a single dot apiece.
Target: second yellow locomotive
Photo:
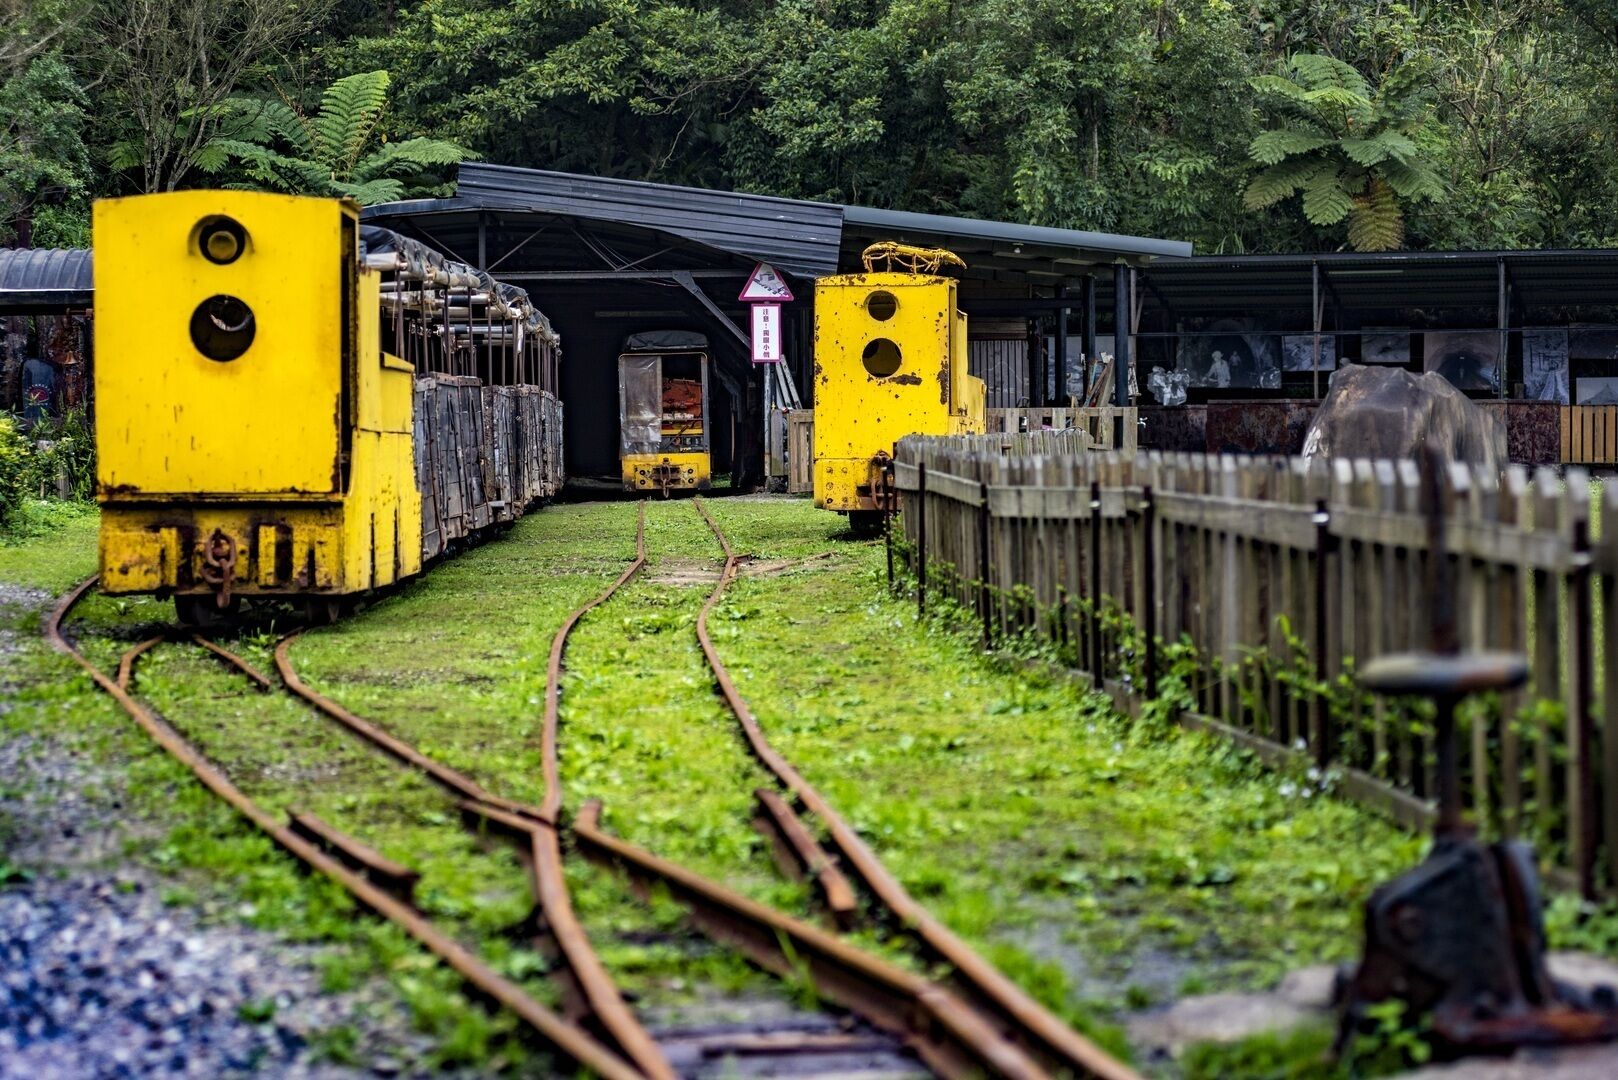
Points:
(890, 361)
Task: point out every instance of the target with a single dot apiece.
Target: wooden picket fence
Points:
(1099, 425)
(1258, 584)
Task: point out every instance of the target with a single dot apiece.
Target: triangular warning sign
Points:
(765, 284)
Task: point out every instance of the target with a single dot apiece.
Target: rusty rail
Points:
(806, 857)
(566, 1037)
(550, 883)
(1031, 1023)
(951, 1038)
(590, 980)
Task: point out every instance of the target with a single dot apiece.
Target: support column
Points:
(1121, 308)
(1089, 330)
(1059, 350)
(1314, 274)
(1502, 324)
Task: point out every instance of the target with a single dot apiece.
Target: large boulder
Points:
(1388, 412)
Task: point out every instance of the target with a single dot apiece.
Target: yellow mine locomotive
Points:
(663, 419)
(890, 361)
(291, 405)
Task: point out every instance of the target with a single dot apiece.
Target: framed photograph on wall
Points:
(1469, 359)
(1593, 342)
(1598, 390)
(1384, 345)
(1230, 354)
(1544, 363)
(1298, 352)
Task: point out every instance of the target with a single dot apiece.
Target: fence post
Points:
(983, 561)
(1148, 571)
(889, 502)
(1320, 722)
(1583, 825)
(921, 540)
(1095, 585)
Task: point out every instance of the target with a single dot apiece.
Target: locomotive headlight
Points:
(222, 327)
(221, 239)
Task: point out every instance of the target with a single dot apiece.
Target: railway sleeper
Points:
(949, 1036)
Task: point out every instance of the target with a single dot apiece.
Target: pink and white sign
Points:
(767, 334)
(765, 284)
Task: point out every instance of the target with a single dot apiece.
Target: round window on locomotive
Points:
(881, 358)
(222, 328)
(881, 305)
(221, 239)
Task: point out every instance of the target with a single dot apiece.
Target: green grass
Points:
(1028, 816)
(1103, 866)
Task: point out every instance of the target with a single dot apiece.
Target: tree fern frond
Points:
(1376, 222)
(349, 110)
(1318, 72)
(1327, 197)
(1356, 105)
(371, 192)
(1412, 181)
(410, 153)
(1278, 182)
(1271, 147)
(1280, 85)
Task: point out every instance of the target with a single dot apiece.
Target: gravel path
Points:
(100, 979)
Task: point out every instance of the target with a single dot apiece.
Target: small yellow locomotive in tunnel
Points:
(665, 437)
(258, 431)
(890, 361)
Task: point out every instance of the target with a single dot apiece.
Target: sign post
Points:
(766, 290)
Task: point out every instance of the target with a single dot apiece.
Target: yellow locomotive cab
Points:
(890, 361)
(663, 417)
(252, 436)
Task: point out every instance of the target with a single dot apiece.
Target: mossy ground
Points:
(1102, 865)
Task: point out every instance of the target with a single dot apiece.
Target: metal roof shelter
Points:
(44, 280)
(605, 257)
(1507, 295)
(805, 238)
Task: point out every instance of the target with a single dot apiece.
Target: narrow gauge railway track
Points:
(1019, 1016)
(903, 1005)
(567, 1037)
(954, 1036)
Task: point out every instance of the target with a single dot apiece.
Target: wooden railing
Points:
(1590, 435)
(1240, 593)
(1099, 424)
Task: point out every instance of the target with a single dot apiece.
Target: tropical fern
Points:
(1354, 152)
(276, 147)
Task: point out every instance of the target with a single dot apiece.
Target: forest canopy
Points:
(1240, 125)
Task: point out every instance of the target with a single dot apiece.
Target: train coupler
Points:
(883, 492)
(219, 566)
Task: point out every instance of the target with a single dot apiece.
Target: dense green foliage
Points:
(334, 152)
(1473, 123)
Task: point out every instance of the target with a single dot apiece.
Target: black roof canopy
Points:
(801, 237)
(42, 280)
(1429, 280)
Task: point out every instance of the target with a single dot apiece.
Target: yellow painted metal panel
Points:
(883, 370)
(693, 470)
(280, 548)
(170, 420)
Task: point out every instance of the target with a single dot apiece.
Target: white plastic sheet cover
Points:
(640, 404)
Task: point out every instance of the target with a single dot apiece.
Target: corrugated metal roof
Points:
(1091, 246)
(32, 277)
(1390, 280)
(794, 235)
